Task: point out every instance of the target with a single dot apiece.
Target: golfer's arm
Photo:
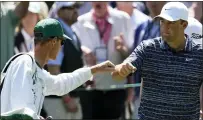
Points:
(64, 83)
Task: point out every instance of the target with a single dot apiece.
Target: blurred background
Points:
(100, 31)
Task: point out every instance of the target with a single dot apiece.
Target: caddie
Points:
(26, 83)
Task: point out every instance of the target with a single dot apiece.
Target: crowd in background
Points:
(99, 31)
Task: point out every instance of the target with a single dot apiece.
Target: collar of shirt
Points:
(66, 27)
(26, 36)
(188, 45)
(29, 40)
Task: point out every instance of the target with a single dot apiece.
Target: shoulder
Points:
(142, 17)
(144, 24)
(197, 44)
(151, 43)
(24, 59)
(84, 17)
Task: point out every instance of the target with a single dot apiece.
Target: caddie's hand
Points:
(106, 66)
(123, 70)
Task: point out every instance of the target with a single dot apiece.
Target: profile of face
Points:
(171, 30)
(30, 20)
(100, 8)
(68, 13)
(52, 48)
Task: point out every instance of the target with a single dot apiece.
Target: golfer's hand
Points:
(123, 70)
(106, 66)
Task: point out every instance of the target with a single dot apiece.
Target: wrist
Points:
(93, 69)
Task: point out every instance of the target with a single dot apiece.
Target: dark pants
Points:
(103, 105)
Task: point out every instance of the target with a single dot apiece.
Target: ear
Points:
(53, 41)
(184, 24)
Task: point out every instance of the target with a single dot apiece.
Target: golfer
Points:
(26, 83)
(171, 67)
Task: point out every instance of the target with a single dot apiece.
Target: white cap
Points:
(34, 7)
(173, 11)
(194, 29)
(59, 5)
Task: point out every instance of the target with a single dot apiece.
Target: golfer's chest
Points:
(174, 66)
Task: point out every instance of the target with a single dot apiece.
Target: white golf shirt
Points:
(26, 84)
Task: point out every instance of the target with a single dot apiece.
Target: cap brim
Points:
(65, 37)
(166, 17)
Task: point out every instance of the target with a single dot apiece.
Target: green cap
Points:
(49, 28)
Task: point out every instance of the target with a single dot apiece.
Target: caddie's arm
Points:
(64, 83)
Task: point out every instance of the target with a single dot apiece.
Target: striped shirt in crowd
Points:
(171, 80)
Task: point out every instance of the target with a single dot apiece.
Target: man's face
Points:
(100, 8)
(171, 30)
(125, 6)
(53, 47)
(30, 20)
(68, 13)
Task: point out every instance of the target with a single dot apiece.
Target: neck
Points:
(40, 57)
(178, 43)
(68, 22)
(29, 31)
(130, 12)
(101, 15)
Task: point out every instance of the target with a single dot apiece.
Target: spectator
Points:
(96, 30)
(195, 10)
(9, 20)
(85, 7)
(24, 39)
(136, 16)
(68, 60)
(194, 29)
(141, 7)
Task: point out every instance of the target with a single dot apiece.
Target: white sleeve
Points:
(64, 83)
(21, 85)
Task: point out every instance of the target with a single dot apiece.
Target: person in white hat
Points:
(171, 67)
(194, 29)
(24, 38)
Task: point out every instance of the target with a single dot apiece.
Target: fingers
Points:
(125, 69)
(131, 67)
(109, 64)
(121, 36)
(115, 75)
